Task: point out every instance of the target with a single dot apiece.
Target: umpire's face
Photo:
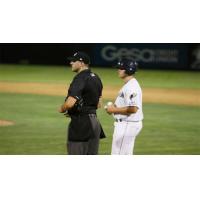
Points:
(76, 65)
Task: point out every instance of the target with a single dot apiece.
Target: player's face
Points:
(121, 73)
(76, 65)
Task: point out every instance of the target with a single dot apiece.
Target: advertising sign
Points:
(147, 55)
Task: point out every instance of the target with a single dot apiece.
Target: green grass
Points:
(40, 129)
(169, 129)
(61, 74)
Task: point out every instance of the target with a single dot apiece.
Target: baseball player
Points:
(127, 110)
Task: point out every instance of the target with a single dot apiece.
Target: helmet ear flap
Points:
(131, 68)
(128, 71)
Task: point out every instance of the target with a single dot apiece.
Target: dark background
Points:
(149, 55)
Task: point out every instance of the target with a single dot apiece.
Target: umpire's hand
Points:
(61, 110)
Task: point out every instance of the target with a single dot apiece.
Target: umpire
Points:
(80, 105)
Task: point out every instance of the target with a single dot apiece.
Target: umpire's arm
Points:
(69, 103)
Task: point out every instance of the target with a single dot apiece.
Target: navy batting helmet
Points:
(129, 66)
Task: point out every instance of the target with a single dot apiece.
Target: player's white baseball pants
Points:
(124, 137)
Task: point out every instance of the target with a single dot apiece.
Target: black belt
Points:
(88, 110)
(118, 120)
(123, 120)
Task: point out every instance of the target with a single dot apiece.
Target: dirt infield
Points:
(6, 123)
(150, 95)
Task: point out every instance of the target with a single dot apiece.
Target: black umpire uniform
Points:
(84, 130)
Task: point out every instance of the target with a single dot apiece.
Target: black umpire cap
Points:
(80, 56)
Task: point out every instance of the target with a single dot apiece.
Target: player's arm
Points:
(69, 103)
(122, 111)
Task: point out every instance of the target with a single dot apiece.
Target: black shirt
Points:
(86, 86)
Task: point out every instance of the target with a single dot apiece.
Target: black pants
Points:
(89, 147)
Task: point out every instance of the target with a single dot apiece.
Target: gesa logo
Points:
(112, 53)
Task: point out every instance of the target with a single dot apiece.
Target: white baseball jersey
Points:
(130, 95)
(127, 127)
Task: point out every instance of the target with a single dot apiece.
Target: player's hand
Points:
(110, 109)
